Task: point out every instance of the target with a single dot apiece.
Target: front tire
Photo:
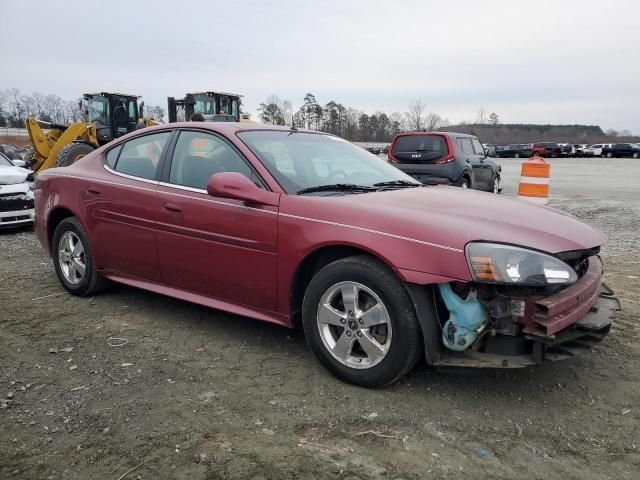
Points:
(465, 183)
(496, 184)
(72, 153)
(609, 155)
(360, 323)
(72, 259)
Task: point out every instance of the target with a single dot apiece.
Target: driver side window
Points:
(478, 147)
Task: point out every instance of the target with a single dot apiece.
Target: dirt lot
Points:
(199, 394)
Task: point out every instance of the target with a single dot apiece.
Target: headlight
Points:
(496, 263)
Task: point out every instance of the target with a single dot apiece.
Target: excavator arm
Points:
(47, 146)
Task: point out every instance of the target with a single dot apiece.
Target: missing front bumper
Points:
(529, 350)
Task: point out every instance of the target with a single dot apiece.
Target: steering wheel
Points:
(339, 175)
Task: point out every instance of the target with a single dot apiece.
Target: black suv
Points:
(515, 151)
(444, 157)
(622, 150)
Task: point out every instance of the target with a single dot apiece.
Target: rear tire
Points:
(72, 259)
(72, 153)
(517, 155)
(635, 155)
(369, 350)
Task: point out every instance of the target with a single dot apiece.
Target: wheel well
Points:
(55, 218)
(309, 266)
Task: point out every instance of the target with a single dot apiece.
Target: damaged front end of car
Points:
(522, 307)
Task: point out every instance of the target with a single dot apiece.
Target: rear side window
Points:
(112, 156)
(465, 145)
(429, 147)
(140, 157)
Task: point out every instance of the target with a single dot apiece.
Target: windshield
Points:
(99, 110)
(228, 105)
(205, 105)
(299, 160)
(407, 145)
(4, 161)
(125, 109)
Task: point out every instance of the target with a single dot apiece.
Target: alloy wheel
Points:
(354, 325)
(71, 257)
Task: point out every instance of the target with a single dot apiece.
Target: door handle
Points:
(172, 207)
(93, 190)
(467, 160)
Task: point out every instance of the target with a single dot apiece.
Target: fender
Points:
(422, 297)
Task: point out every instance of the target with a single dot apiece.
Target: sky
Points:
(539, 61)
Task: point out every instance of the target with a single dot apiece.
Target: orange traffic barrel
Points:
(534, 181)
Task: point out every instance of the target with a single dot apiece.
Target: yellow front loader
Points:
(207, 106)
(110, 116)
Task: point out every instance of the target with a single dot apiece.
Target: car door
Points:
(486, 166)
(472, 159)
(120, 210)
(221, 248)
(622, 150)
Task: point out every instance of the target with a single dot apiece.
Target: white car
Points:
(16, 194)
(593, 150)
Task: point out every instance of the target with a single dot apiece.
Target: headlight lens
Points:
(505, 264)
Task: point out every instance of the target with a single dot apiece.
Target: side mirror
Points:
(237, 186)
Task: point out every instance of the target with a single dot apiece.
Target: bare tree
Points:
(433, 121)
(15, 106)
(154, 112)
(481, 116)
(415, 115)
(493, 119)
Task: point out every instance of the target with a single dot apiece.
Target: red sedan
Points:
(301, 228)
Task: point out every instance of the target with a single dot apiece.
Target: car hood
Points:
(453, 217)
(12, 175)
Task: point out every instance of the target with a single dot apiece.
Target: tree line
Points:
(16, 107)
(358, 126)
(347, 122)
(332, 117)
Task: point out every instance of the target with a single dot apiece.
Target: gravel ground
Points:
(199, 394)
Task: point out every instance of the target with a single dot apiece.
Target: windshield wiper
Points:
(398, 183)
(338, 187)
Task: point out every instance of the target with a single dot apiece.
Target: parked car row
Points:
(557, 150)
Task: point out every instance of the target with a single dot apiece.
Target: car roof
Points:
(227, 127)
(437, 133)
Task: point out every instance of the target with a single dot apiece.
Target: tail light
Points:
(447, 159)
